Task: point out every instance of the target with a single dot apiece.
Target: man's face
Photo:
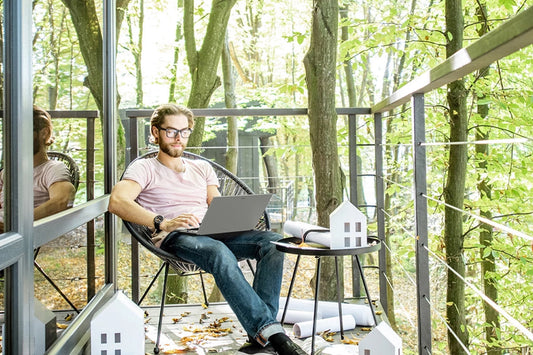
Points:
(39, 139)
(173, 147)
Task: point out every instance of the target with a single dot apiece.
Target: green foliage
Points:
(388, 44)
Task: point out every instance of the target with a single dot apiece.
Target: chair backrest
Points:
(229, 185)
(72, 167)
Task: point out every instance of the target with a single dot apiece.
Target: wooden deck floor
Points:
(193, 329)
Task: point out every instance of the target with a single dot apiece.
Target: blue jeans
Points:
(255, 306)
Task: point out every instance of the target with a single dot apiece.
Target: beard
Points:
(169, 150)
(36, 144)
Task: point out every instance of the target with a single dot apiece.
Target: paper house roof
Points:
(118, 327)
(382, 340)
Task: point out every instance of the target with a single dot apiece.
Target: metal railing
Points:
(16, 249)
(507, 39)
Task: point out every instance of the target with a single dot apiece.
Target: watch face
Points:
(157, 221)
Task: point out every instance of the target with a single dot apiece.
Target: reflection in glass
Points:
(53, 188)
(67, 81)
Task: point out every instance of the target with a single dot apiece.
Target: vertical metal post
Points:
(354, 175)
(380, 207)
(421, 225)
(18, 133)
(89, 173)
(135, 274)
(109, 117)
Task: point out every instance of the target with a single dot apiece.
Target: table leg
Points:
(290, 289)
(316, 304)
(339, 298)
(366, 290)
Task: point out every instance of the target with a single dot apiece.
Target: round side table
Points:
(292, 246)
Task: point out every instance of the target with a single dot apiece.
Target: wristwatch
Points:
(157, 223)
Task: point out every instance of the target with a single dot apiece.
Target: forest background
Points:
(379, 47)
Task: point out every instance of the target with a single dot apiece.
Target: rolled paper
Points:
(293, 316)
(360, 312)
(305, 329)
(298, 229)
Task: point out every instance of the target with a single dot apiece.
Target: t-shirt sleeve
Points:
(212, 178)
(138, 171)
(55, 173)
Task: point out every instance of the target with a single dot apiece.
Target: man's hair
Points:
(158, 117)
(42, 119)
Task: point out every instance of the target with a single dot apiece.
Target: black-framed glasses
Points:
(173, 133)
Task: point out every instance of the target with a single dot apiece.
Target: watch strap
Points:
(157, 223)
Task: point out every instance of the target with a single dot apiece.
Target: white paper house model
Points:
(382, 340)
(118, 328)
(347, 226)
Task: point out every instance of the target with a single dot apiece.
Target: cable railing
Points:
(497, 44)
(469, 213)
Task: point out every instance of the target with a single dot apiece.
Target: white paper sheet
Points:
(294, 316)
(305, 329)
(360, 312)
(297, 229)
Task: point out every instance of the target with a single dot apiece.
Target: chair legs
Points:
(251, 267)
(160, 323)
(40, 269)
(152, 283)
(203, 289)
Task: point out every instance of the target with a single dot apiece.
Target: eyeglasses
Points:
(173, 133)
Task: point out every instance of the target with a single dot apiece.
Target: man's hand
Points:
(186, 220)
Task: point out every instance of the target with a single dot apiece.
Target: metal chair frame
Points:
(74, 174)
(229, 185)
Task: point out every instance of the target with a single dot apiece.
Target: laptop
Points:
(230, 214)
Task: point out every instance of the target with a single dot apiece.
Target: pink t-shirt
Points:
(169, 193)
(44, 176)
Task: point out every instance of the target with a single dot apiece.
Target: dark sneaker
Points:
(253, 347)
(284, 345)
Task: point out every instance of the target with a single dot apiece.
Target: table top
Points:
(292, 246)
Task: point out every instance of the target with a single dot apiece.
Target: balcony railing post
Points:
(354, 175)
(380, 210)
(91, 244)
(133, 153)
(421, 225)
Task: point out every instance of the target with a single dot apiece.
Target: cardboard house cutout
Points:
(44, 327)
(118, 328)
(382, 340)
(347, 226)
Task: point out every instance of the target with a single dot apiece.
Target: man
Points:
(169, 192)
(52, 190)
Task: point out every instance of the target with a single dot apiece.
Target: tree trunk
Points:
(320, 68)
(85, 21)
(136, 48)
(488, 262)
(203, 64)
(232, 153)
(55, 44)
(455, 188)
(271, 165)
(174, 70)
(233, 132)
(176, 288)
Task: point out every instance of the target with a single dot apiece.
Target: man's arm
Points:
(212, 191)
(122, 203)
(61, 197)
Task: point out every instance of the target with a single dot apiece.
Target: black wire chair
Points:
(74, 174)
(229, 185)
